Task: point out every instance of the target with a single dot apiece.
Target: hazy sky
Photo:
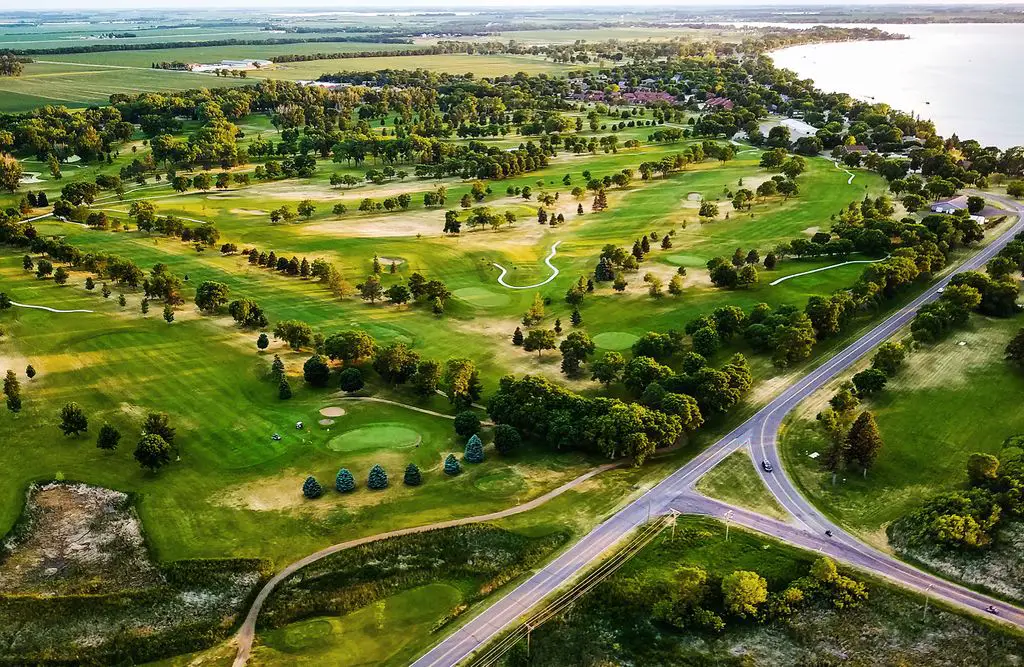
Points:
(284, 5)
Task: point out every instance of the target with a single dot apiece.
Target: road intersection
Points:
(676, 493)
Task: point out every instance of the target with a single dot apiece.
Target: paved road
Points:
(675, 492)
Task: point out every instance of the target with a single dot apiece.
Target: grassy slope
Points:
(735, 481)
(946, 386)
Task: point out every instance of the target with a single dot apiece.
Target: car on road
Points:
(992, 610)
(767, 466)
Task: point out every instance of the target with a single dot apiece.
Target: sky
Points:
(364, 5)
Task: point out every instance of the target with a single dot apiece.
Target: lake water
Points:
(967, 78)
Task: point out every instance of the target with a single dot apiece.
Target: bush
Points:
(316, 371)
(451, 465)
(467, 423)
(378, 479)
(345, 482)
(351, 379)
(474, 450)
(506, 439)
(311, 488)
(412, 475)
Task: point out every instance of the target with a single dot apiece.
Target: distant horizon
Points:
(75, 6)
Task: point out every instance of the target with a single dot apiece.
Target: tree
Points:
(350, 379)
(168, 313)
(311, 488)
(1015, 349)
(12, 389)
(975, 204)
(743, 591)
(159, 423)
(211, 295)
(576, 317)
(889, 357)
(467, 423)
(284, 390)
(73, 420)
(607, 368)
(506, 439)
(296, 333)
(461, 382)
(397, 294)
(316, 372)
(377, 479)
(427, 378)
(517, 337)
(474, 450)
(60, 276)
(869, 381)
(539, 340)
(30, 371)
(575, 349)
(412, 475)
(396, 363)
(263, 342)
(306, 209)
(451, 465)
(708, 210)
(108, 437)
(344, 482)
(10, 173)
(350, 346)
(144, 306)
(982, 468)
(152, 452)
(277, 367)
(370, 289)
(706, 341)
(864, 442)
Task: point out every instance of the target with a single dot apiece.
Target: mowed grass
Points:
(930, 419)
(85, 85)
(392, 631)
(735, 481)
(479, 65)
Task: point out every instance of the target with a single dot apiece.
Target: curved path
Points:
(850, 180)
(374, 399)
(247, 631)
(825, 268)
(547, 260)
(48, 309)
(675, 493)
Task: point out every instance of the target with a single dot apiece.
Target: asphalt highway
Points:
(675, 493)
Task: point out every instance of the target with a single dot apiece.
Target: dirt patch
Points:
(77, 539)
(249, 211)
(947, 364)
(811, 231)
(332, 412)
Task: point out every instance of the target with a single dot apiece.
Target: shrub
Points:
(311, 488)
(474, 450)
(351, 379)
(451, 465)
(506, 439)
(412, 475)
(378, 479)
(467, 423)
(345, 482)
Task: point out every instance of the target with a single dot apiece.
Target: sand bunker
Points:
(694, 196)
(332, 412)
(388, 261)
(326, 422)
(248, 211)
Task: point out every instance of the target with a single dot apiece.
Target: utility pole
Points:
(926, 591)
(675, 517)
(728, 517)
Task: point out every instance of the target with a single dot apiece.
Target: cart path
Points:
(547, 260)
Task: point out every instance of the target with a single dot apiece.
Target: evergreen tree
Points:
(144, 307)
(378, 479)
(108, 437)
(90, 284)
(412, 475)
(277, 367)
(12, 389)
(30, 371)
(474, 450)
(579, 209)
(311, 488)
(263, 342)
(558, 325)
(73, 420)
(864, 441)
(121, 301)
(168, 313)
(105, 291)
(344, 482)
(506, 439)
(576, 318)
(517, 337)
(284, 390)
(451, 465)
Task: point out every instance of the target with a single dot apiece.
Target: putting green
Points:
(501, 483)
(481, 296)
(374, 436)
(614, 340)
(686, 260)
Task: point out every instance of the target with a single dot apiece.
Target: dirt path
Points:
(547, 260)
(247, 632)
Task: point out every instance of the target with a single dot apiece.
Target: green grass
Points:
(615, 340)
(375, 436)
(383, 633)
(945, 386)
(735, 481)
(479, 65)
